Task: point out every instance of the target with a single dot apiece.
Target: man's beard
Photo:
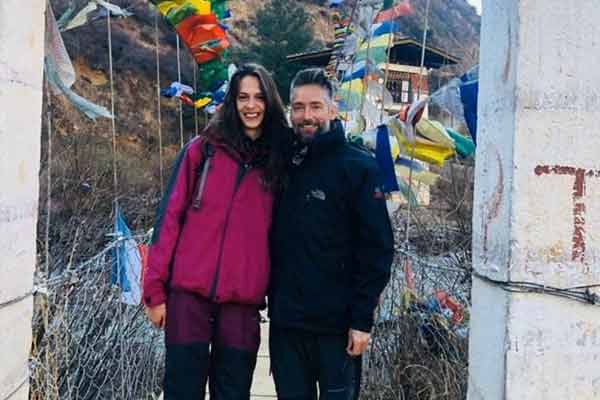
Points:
(321, 128)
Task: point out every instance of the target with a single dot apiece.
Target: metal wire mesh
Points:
(87, 343)
(417, 352)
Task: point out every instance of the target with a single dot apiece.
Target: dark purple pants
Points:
(209, 341)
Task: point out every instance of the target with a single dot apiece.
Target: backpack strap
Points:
(207, 153)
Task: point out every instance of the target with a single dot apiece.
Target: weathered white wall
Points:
(536, 214)
(21, 71)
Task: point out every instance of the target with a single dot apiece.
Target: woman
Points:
(208, 265)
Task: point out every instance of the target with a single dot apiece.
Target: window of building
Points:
(400, 87)
(405, 92)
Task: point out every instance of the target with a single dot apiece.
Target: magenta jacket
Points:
(217, 248)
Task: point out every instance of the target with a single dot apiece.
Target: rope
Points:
(90, 265)
(574, 293)
(158, 111)
(414, 145)
(195, 70)
(17, 387)
(112, 107)
(114, 143)
(348, 32)
(339, 59)
(429, 265)
(15, 300)
(365, 81)
(75, 241)
(386, 73)
(46, 272)
(180, 103)
(423, 45)
(49, 181)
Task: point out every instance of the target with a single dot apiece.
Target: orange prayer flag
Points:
(203, 35)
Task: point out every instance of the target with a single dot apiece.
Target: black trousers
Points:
(303, 361)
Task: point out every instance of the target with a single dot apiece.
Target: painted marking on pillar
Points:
(578, 240)
(11, 75)
(22, 173)
(10, 214)
(506, 71)
(493, 204)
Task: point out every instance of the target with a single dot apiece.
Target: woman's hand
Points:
(157, 315)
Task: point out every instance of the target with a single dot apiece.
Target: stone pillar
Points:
(21, 71)
(536, 214)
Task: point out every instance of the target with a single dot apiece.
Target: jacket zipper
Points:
(242, 170)
(201, 183)
(207, 153)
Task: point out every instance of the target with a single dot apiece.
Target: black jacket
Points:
(331, 240)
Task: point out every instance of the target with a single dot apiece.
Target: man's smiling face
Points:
(312, 111)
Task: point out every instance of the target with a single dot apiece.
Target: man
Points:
(331, 246)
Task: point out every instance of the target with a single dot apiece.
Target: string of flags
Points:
(341, 27)
(89, 13)
(57, 63)
(201, 26)
(361, 45)
(405, 143)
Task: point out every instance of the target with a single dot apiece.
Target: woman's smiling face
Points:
(250, 105)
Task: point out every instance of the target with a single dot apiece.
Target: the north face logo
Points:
(318, 194)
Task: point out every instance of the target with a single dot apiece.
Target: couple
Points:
(252, 209)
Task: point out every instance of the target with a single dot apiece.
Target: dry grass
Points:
(416, 357)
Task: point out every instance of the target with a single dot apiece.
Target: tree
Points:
(283, 28)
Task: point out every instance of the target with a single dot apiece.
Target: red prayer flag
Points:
(401, 10)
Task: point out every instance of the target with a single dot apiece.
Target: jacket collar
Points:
(323, 143)
(256, 151)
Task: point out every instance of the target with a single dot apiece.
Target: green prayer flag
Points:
(178, 14)
(387, 4)
(219, 8)
(211, 73)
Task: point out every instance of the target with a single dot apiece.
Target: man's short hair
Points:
(312, 76)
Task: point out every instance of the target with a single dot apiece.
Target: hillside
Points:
(81, 168)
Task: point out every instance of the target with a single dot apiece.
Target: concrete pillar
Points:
(536, 214)
(21, 71)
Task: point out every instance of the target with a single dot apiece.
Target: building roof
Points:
(405, 51)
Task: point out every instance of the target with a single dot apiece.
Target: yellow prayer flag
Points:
(166, 6)
(202, 6)
(380, 41)
(202, 102)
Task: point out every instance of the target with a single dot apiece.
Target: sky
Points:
(477, 4)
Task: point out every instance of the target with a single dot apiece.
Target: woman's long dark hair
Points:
(226, 125)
